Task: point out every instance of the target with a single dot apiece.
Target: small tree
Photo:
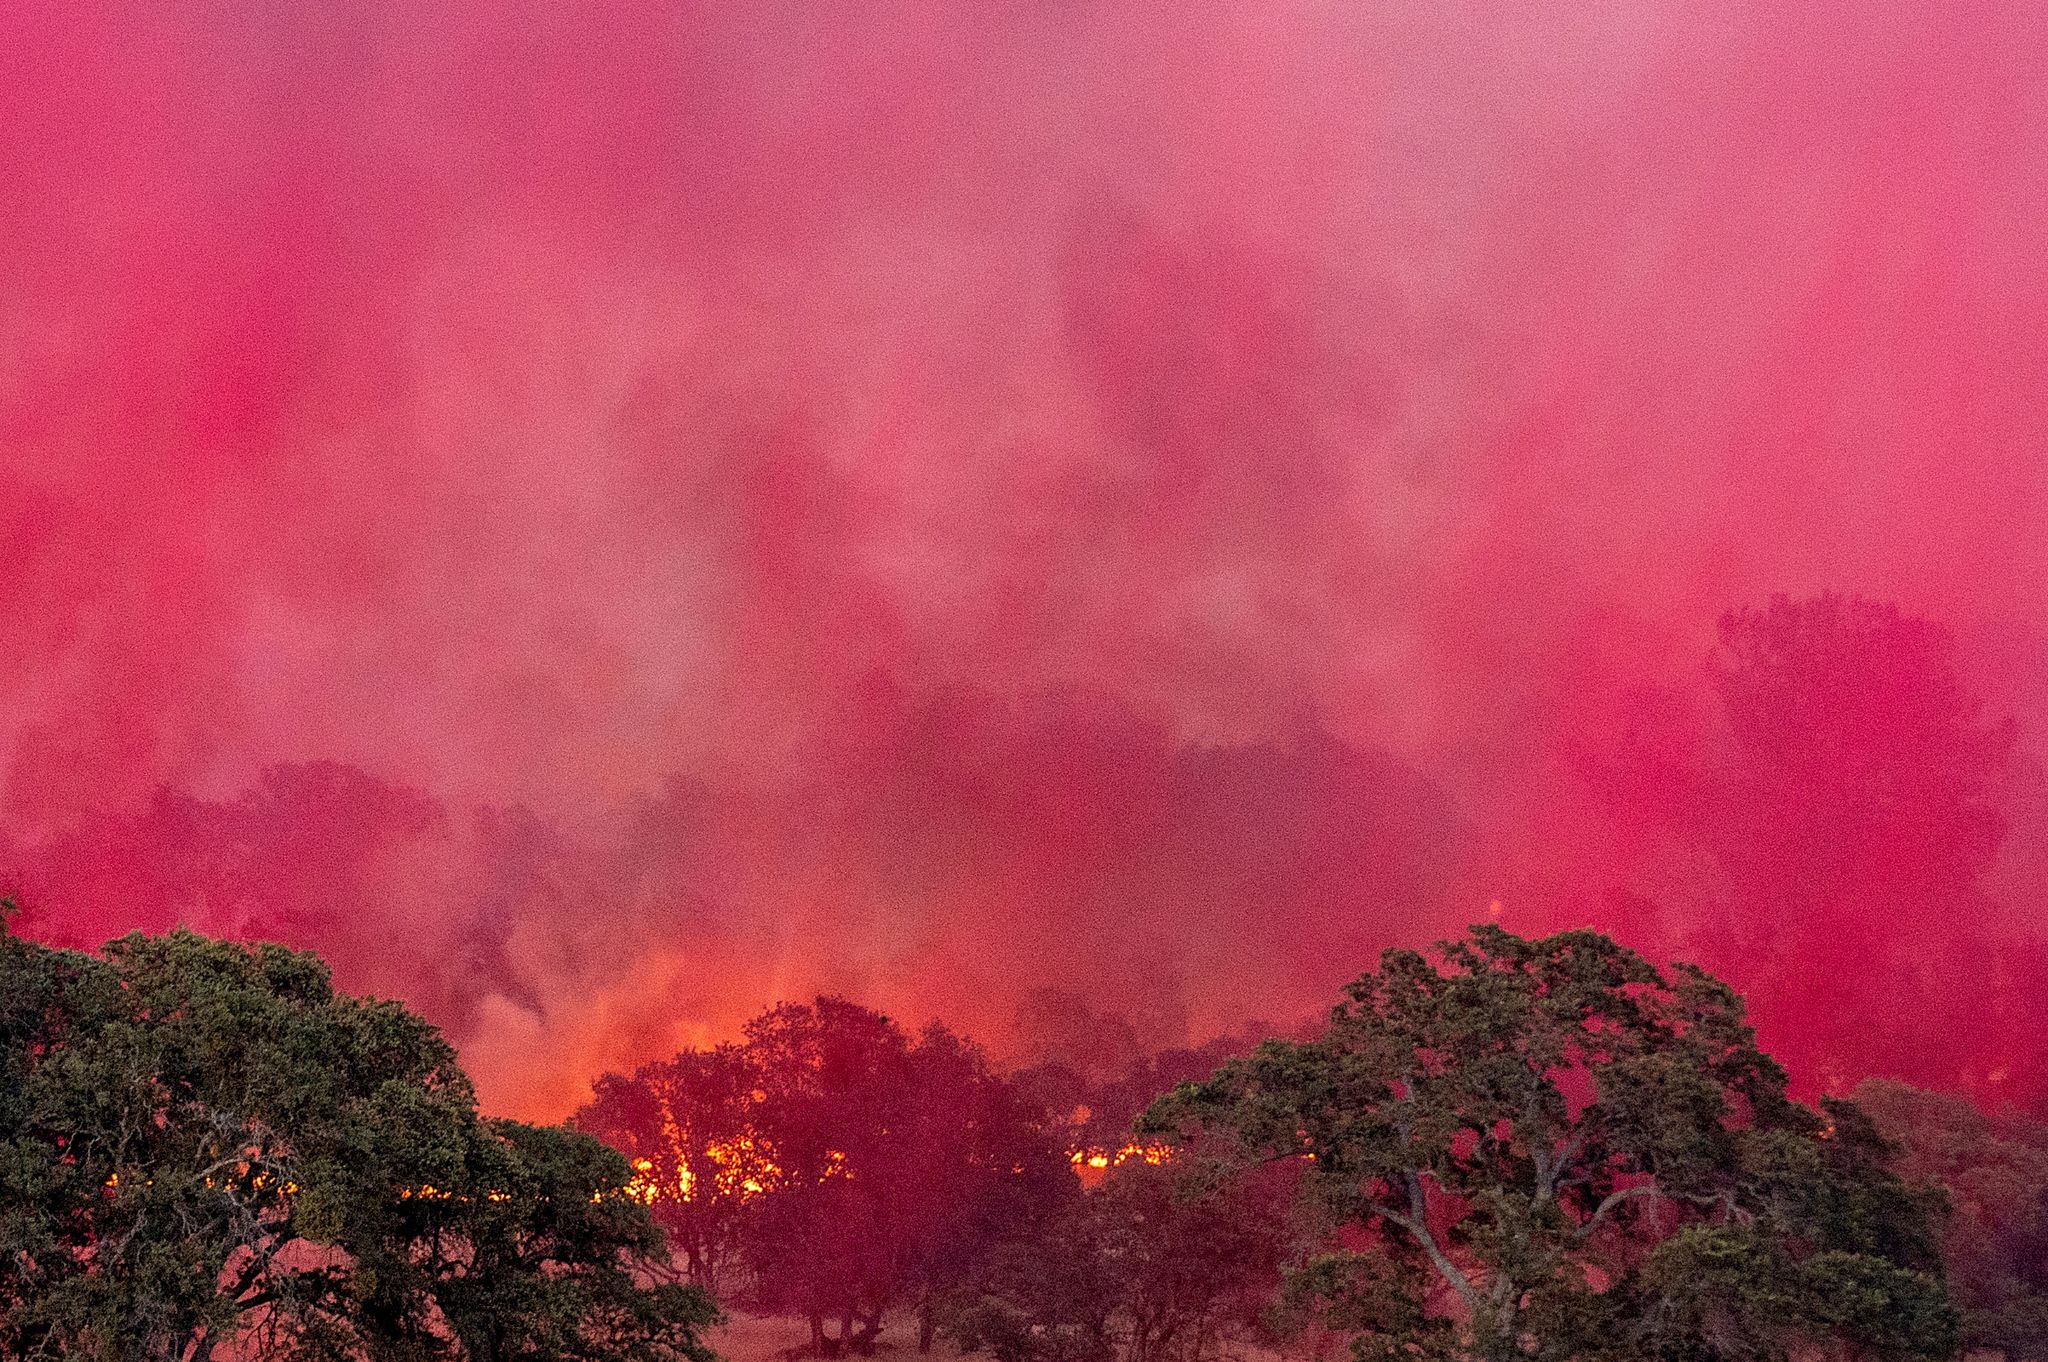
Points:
(685, 1125)
(1551, 1149)
(1156, 1264)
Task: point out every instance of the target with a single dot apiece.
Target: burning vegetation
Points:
(831, 1165)
(1550, 1140)
(1088, 520)
(1092, 1164)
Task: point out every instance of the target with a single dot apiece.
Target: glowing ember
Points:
(1093, 1164)
(740, 1169)
(1151, 1153)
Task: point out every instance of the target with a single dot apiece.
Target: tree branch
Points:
(1565, 1156)
(1612, 1200)
(1416, 1222)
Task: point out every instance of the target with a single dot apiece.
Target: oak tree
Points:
(1550, 1149)
(204, 1147)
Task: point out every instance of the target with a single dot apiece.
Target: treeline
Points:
(1507, 1150)
(833, 1167)
(1992, 1170)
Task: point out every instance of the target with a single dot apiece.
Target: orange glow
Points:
(1152, 1153)
(1092, 1164)
(740, 1169)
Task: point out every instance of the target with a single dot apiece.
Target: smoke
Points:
(603, 517)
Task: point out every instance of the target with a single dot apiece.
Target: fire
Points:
(426, 1192)
(642, 1189)
(1092, 1164)
(740, 1169)
(1152, 1153)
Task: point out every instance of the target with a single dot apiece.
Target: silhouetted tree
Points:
(1863, 790)
(1159, 1263)
(862, 1168)
(1995, 1171)
(982, 1162)
(1865, 760)
(1551, 1149)
(685, 1124)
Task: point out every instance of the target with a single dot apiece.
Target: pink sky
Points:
(940, 501)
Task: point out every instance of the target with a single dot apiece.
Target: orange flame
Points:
(740, 1169)
(1093, 1164)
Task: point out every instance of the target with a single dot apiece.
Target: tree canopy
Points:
(1551, 1149)
(1994, 1168)
(831, 1165)
(1157, 1263)
(686, 1126)
(204, 1147)
(1848, 781)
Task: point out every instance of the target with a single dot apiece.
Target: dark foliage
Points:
(203, 1146)
(1551, 1149)
(1995, 1171)
(832, 1166)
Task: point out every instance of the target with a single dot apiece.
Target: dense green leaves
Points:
(201, 1143)
(1550, 1149)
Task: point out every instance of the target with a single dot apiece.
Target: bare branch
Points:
(1416, 1222)
(1612, 1200)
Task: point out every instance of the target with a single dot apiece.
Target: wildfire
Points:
(429, 1192)
(1154, 1154)
(739, 1169)
(1092, 1164)
(245, 1176)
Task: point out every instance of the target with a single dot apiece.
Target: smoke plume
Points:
(602, 517)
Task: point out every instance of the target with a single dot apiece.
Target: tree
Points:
(203, 1146)
(1159, 1263)
(845, 1165)
(685, 1125)
(1862, 788)
(895, 1158)
(546, 1258)
(1550, 1149)
(1097, 1114)
(1865, 761)
(1995, 1171)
